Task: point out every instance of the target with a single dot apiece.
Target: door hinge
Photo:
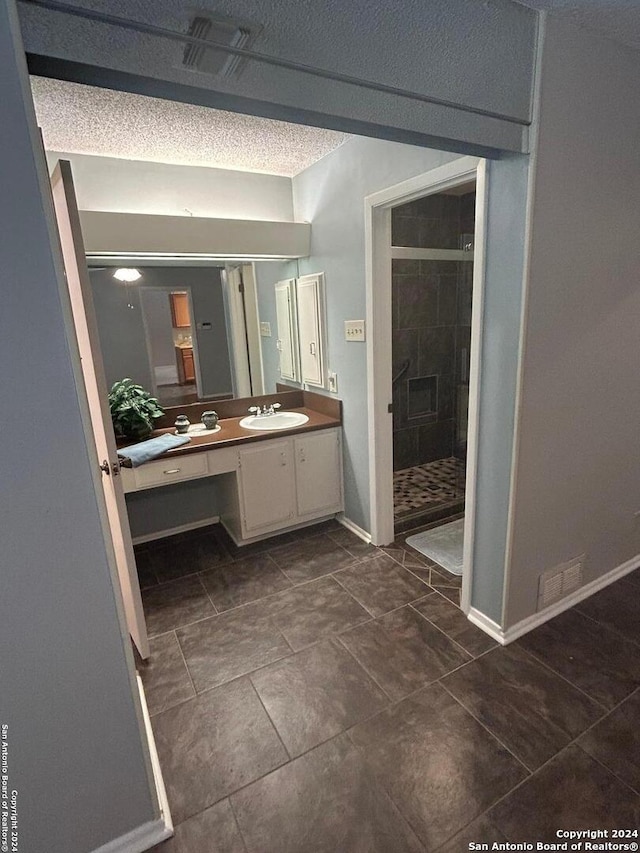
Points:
(108, 469)
(390, 408)
(241, 287)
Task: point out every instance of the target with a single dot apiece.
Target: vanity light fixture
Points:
(128, 274)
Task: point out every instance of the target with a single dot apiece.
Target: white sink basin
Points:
(279, 420)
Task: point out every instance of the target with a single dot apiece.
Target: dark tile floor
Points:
(317, 695)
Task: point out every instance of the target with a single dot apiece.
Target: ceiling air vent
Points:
(224, 31)
(559, 581)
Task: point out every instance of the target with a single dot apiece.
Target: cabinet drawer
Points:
(171, 470)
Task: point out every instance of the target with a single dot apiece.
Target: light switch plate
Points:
(265, 330)
(333, 382)
(354, 330)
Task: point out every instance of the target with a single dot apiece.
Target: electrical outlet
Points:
(354, 330)
(265, 330)
(333, 382)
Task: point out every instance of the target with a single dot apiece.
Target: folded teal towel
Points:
(144, 451)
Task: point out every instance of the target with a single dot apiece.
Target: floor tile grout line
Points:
(206, 592)
(564, 678)
(237, 822)
(362, 665)
(275, 563)
(271, 720)
(610, 770)
(471, 713)
(615, 631)
(442, 631)
(186, 666)
(355, 598)
(186, 625)
(573, 742)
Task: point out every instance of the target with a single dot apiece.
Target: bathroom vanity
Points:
(266, 481)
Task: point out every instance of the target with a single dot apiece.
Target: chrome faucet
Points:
(265, 411)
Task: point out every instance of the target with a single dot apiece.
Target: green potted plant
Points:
(133, 410)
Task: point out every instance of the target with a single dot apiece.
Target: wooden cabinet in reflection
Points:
(184, 361)
(180, 316)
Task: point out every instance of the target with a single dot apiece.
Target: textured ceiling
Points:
(617, 19)
(86, 120)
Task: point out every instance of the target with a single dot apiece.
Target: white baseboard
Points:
(353, 527)
(530, 622)
(171, 531)
(139, 839)
(487, 625)
(161, 791)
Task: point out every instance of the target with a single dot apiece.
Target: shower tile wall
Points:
(431, 330)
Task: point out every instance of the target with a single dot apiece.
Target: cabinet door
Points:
(180, 310)
(267, 486)
(318, 473)
(310, 306)
(286, 322)
(187, 361)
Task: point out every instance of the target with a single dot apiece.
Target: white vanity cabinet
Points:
(318, 458)
(266, 482)
(282, 483)
(263, 486)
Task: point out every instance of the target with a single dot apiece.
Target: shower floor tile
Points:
(428, 486)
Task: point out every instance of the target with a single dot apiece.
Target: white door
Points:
(310, 329)
(318, 473)
(84, 320)
(284, 320)
(267, 482)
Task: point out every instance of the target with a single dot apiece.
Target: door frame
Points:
(147, 338)
(378, 255)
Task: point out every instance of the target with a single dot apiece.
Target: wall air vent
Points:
(559, 581)
(224, 31)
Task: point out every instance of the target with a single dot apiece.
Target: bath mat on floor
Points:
(442, 544)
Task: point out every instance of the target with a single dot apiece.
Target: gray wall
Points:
(330, 194)
(154, 510)
(479, 54)
(577, 484)
(504, 275)
(157, 315)
(140, 186)
(76, 756)
(122, 331)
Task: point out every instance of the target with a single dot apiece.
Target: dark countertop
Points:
(323, 412)
(231, 433)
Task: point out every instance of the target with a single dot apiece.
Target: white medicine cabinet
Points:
(301, 321)
(287, 323)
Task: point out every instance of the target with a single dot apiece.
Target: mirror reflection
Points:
(191, 333)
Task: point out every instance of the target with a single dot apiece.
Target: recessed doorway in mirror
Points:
(167, 331)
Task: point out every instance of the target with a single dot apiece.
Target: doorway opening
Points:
(425, 241)
(168, 325)
(432, 241)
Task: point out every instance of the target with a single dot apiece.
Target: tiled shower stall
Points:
(431, 342)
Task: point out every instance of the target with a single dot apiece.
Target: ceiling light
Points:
(127, 274)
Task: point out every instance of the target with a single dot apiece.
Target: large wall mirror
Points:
(190, 333)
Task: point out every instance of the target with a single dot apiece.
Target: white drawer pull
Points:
(172, 471)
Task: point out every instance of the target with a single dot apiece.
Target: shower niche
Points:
(432, 277)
